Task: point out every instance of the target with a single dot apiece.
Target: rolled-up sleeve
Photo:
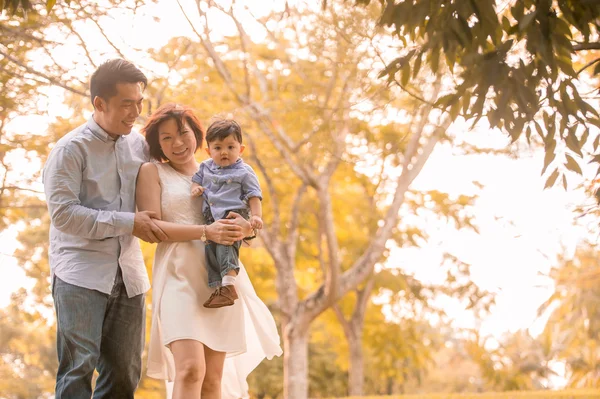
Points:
(250, 185)
(199, 175)
(62, 179)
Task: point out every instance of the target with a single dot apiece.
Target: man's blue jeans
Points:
(98, 331)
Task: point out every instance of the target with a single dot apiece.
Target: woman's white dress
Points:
(246, 330)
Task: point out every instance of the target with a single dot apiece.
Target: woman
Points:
(207, 352)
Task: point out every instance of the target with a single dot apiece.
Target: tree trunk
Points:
(295, 362)
(357, 369)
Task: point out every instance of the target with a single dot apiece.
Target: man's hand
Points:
(256, 222)
(229, 230)
(145, 228)
(197, 191)
(225, 231)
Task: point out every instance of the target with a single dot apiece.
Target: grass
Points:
(567, 394)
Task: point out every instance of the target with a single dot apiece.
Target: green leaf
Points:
(527, 20)
(49, 5)
(595, 159)
(466, 102)
(450, 60)
(539, 129)
(548, 158)
(517, 10)
(417, 65)
(596, 142)
(573, 143)
(562, 27)
(505, 24)
(572, 165)
(435, 59)
(447, 100)
(387, 16)
(405, 76)
(454, 110)
(566, 65)
(584, 137)
(391, 68)
(552, 179)
(595, 122)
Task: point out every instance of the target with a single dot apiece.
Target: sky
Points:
(522, 226)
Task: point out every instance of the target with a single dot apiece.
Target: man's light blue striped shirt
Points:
(89, 182)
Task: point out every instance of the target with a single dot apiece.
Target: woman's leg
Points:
(189, 368)
(211, 387)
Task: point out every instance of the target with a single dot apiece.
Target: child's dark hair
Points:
(104, 80)
(223, 128)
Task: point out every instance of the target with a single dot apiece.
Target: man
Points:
(98, 275)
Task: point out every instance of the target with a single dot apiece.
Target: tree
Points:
(28, 70)
(516, 63)
(574, 322)
(313, 132)
(520, 362)
(407, 291)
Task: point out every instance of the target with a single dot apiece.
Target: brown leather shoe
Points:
(210, 298)
(223, 296)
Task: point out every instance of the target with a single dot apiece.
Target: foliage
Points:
(515, 63)
(520, 362)
(574, 314)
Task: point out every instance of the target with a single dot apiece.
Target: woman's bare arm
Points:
(148, 193)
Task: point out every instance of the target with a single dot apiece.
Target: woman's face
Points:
(178, 146)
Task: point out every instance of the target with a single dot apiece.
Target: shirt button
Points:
(210, 203)
(229, 181)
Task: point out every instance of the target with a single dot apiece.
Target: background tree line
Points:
(337, 148)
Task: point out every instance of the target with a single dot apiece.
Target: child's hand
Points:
(197, 191)
(256, 222)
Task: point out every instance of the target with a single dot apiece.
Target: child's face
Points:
(225, 152)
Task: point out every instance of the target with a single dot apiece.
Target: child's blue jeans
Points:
(221, 259)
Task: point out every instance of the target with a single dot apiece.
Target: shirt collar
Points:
(99, 132)
(237, 164)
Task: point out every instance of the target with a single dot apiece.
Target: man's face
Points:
(117, 115)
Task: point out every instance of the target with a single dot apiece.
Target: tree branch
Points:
(276, 223)
(280, 47)
(48, 78)
(274, 132)
(333, 270)
(294, 230)
(586, 46)
(364, 265)
(362, 300)
(586, 66)
(94, 19)
(15, 188)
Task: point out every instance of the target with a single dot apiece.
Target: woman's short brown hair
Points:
(181, 114)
